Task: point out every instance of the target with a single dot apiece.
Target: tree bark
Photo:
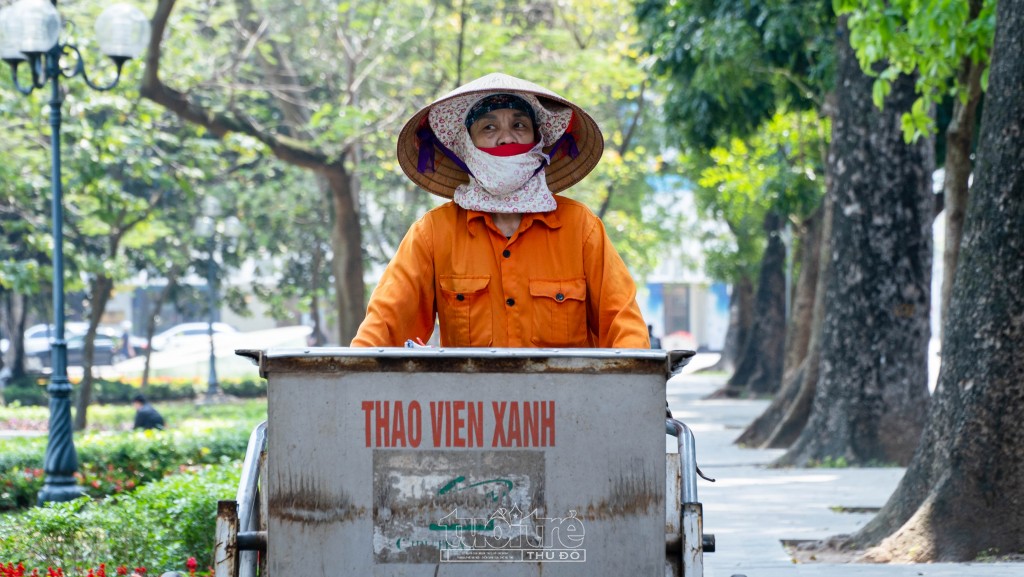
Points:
(871, 398)
(802, 328)
(99, 294)
(741, 305)
(759, 370)
(801, 317)
(963, 493)
(17, 311)
(955, 188)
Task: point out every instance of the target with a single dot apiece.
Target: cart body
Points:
(423, 462)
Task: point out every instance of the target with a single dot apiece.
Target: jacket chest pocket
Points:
(560, 312)
(465, 312)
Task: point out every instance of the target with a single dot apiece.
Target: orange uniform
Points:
(558, 282)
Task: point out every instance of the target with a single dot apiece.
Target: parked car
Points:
(105, 352)
(37, 337)
(138, 344)
(187, 333)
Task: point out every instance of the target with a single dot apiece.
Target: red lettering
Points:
(530, 414)
(436, 418)
(367, 409)
(547, 423)
(415, 419)
(398, 426)
(476, 424)
(448, 424)
(382, 423)
(459, 423)
(515, 436)
(498, 440)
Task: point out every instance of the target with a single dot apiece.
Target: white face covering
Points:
(504, 184)
(509, 184)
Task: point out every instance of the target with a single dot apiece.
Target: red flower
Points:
(122, 570)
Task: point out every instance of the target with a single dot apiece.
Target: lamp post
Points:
(208, 227)
(30, 34)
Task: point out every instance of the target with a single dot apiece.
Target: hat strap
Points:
(566, 141)
(428, 140)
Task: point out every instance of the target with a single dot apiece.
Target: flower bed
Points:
(168, 525)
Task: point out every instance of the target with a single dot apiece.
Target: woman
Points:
(507, 263)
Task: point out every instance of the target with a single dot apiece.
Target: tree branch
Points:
(287, 149)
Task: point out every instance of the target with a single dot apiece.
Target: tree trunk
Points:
(961, 495)
(871, 398)
(741, 306)
(802, 328)
(801, 317)
(99, 292)
(347, 264)
(796, 413)
(959, 137)
(759, 370)
(154, 311)
(17, 313)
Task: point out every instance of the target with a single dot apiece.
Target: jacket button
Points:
(510, 302)
(459, 297)
(506, 253)
(559, 297)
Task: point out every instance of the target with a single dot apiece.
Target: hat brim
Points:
(563, 172)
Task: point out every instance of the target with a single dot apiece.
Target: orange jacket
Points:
(558, 282)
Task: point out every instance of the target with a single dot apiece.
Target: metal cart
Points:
(433, 461)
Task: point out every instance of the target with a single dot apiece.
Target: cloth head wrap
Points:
(500, 102)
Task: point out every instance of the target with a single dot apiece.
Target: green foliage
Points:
(780, 169)
(31, 392)
(115, 462)
(727, 67)
(928, 38)
(158, 527)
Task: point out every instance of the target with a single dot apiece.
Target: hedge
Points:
(158, 528)
(31, 391)
(112, 463)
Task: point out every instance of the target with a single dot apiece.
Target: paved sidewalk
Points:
(751, 509)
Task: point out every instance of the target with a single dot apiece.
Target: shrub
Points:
(112, 463)
(158, 527)
(31, 391)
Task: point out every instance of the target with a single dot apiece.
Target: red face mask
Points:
(511, 149)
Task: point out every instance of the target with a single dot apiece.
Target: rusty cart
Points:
(434, 461)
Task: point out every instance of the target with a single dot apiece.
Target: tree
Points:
(947, 45)
(771, 174)
(960, 494)
(727, 68)
(872, 393)
(757, 181)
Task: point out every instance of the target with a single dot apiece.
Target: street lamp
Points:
(208, 227)
(30, 34)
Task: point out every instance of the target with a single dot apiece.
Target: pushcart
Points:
(435, 461)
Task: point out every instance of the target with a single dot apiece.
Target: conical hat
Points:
(564, 170)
